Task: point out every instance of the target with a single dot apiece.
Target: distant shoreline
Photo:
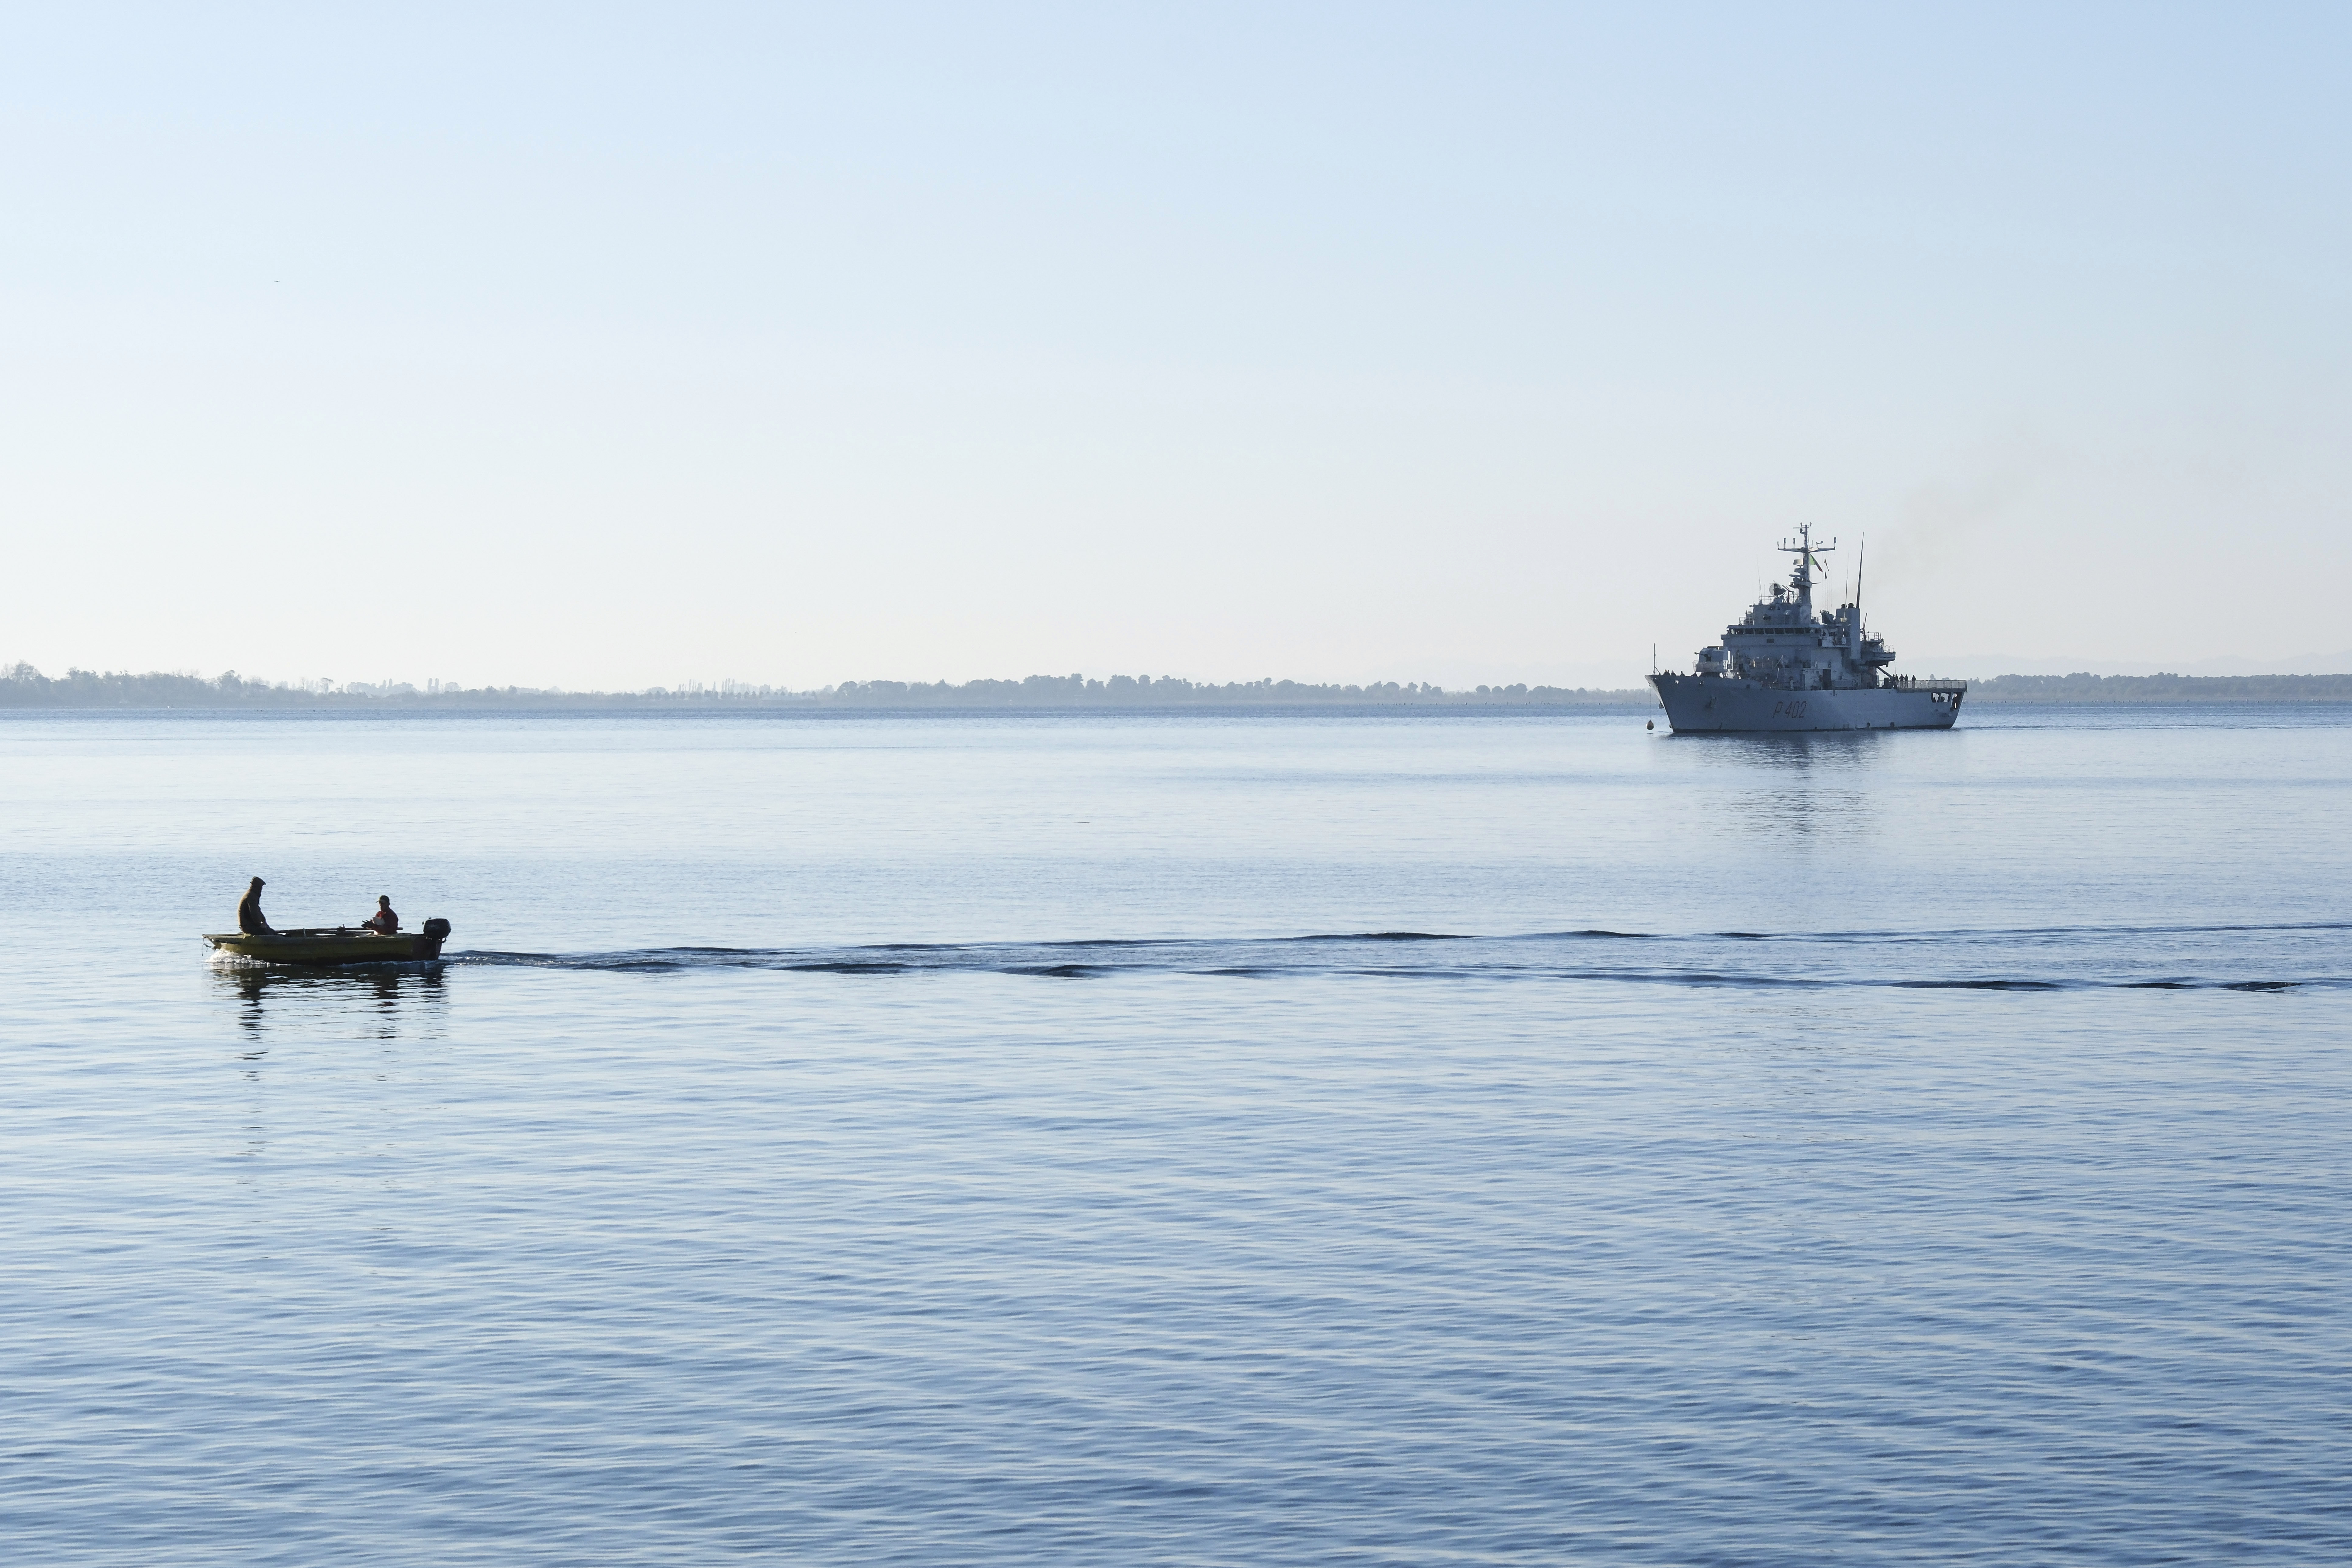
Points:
(26, 688)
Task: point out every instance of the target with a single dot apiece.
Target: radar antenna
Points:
(1809, 557)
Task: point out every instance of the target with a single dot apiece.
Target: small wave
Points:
(1935, 934)
(1383, 936)
(1969, 962)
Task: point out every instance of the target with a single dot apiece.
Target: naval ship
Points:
(1782, 667)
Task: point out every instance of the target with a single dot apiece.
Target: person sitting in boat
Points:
(248, 912)
(383, 923)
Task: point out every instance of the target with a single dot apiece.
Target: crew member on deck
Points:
(383, 923)
(248, 912)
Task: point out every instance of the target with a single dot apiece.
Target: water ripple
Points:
(2240, 957)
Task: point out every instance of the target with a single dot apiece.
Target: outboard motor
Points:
(436, 932)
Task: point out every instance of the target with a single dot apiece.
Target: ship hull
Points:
(1701, 704)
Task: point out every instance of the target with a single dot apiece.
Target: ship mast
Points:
(1860, 561)
(1808, 556)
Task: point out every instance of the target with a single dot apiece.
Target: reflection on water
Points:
(368, 1004)
(1809, 785)
(1841, 750)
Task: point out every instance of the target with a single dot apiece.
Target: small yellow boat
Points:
(335, 944)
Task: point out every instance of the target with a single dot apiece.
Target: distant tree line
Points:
(2162, 688)
(25, 687)
(1172, 691)
(22, 686)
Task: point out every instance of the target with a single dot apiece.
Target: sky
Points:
(603, 347)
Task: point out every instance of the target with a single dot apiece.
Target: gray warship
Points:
(1782, 667)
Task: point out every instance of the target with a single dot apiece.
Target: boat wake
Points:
(2254, 958)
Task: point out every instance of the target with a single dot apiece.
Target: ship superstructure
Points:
(1782, 666)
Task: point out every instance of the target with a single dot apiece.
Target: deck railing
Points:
(1925, 683)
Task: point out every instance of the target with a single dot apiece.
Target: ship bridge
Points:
(1781, 643)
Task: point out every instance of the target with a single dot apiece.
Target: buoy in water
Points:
(1652, 725)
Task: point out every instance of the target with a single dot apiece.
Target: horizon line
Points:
(22, 686)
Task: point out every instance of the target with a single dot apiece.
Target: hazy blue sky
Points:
(606, 346)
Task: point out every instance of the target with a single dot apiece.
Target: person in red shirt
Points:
(383, 923)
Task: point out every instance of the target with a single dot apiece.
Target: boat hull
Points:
(319, 947)
(1704, 704)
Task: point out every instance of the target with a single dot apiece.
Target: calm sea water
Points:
(1194, 1140)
